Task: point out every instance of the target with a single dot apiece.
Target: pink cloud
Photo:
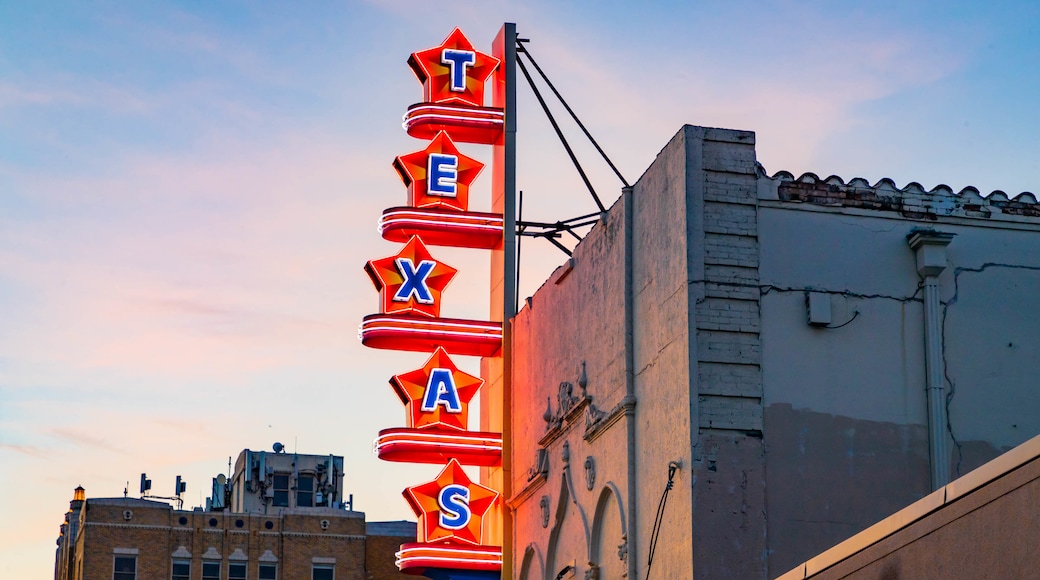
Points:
(27, 450)
(83, 438)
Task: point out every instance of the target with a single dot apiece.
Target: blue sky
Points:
(188, 193)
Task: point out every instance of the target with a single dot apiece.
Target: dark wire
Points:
(659, 519)
(523, 48)
(559, 133)
(846, 323)
(519, 241)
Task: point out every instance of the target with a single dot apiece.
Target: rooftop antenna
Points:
(227, 488)
(178, 489)
(146, 484)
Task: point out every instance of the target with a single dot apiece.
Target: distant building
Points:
(270, 482)
(286, 520)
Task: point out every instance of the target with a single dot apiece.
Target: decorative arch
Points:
(608, 560)
(532, 566)
(566, 496)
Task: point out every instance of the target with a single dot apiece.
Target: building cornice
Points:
(1007, 222)
(314, 535)
(128, 526)
(598, 422)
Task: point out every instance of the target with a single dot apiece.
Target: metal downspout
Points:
(630, 382)
(930, 249)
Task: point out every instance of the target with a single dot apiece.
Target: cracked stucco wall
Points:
(845, 418)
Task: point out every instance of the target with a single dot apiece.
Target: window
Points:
(305, 491)
(211, 571)
(182, 570)
(268, 572)
(281, 490)
(236, 571)
(323, 572)
(125, 568)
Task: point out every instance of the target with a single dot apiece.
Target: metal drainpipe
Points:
(630, 381)
(930, 249)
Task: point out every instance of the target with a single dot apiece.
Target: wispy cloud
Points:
(77, 93)
(27, 450)
(84, 439)
(14, 96)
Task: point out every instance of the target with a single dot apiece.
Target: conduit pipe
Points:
(930, 249)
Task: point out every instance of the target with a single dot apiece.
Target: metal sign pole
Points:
(503, 280)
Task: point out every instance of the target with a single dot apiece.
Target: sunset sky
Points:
(189, 193)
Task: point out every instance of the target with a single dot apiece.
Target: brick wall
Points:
(728, 464)
(295, 540)
(729, 386)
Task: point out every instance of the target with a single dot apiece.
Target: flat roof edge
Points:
(951, 492)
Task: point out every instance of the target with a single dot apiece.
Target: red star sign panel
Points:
(451, 507)
(453, 72)
(411, 281)
(438, 394)
(438, 176)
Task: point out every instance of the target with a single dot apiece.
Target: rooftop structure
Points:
(265, 482)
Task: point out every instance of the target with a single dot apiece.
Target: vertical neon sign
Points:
(454, 513)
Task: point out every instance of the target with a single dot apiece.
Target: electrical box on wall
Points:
(819, 306)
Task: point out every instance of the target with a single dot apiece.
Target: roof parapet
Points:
(912, 200)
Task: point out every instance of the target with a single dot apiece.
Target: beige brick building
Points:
(303, 533)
